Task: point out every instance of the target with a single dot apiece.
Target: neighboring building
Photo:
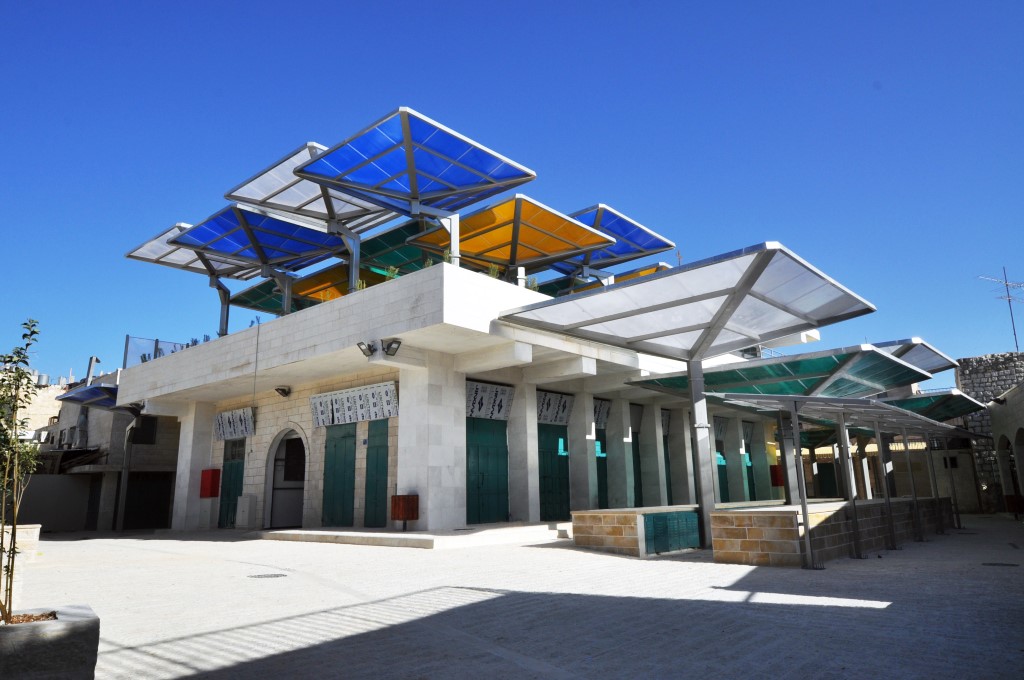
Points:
(985, 378)
(86, 452)
(1007, 419)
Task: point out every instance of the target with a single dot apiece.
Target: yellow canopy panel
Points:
(332, 283)
(518, 232)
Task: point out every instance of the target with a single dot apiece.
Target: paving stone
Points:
(177, 605)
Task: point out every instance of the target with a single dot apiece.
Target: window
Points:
(145, 430)
(234, 449)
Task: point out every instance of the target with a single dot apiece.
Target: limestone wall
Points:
(985, 378)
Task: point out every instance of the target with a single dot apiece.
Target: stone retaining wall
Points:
(774, 538)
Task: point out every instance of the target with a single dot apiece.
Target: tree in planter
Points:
(17, 459)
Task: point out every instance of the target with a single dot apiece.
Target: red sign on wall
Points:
(209, 483)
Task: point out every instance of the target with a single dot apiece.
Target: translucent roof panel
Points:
(632, 240)
(94, 396)
(564, 285)
(406, 160)
(941, 406)
(849, 372)
(704, 309)
(919, 353)
(518, 232)
(277, 188)
(250, 235)
(327, 284)
(159, 250)
(858, 413)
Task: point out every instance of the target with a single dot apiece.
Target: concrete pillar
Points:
(108, 501)
(734, 464)
(790, 456)
(582, 454)
(703, 453)
(620, 456)
(760, 464)
(432, 442)
(681, 457)
(195, 452)
(652, 456)
(523, 456)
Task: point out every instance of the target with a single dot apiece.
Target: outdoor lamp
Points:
(366, 349)
(391, 346)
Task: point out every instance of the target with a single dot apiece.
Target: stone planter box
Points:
(65, 648)
(624, 531)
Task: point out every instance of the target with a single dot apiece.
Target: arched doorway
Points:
(286, 482)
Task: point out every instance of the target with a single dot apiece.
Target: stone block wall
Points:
(756, 538)
(985, 378)
(774, 538)
(610, 531)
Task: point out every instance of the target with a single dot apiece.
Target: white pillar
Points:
(652, 457)
(735, 467)
(760, 464)
(432, 442)
(523, 454)
(582, 454)
(195, 452)
(620, 456)
(680, 451)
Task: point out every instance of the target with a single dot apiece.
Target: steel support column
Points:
(849, 483)
(703, 463)
(918, 530)
(886, 465)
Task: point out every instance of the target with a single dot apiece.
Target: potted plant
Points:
(41, 643)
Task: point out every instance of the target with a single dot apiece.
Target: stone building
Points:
(426, 359)
(985, 378)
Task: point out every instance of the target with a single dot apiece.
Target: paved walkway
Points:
(218, 605)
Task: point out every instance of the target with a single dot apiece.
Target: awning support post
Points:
(940, 527)
(952, 491)
(918, 530)
(849, 483)
(225, 304)
(884, 458)
(702, 454)
(809, 561)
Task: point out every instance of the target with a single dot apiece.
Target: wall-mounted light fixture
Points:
(391, 346)
(283, 390)
(366, 349)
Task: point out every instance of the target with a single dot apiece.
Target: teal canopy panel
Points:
(856, 371)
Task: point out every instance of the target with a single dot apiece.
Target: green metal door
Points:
(486, 471)
(601, 449)
(553, 467)
(377, 475)
(638, 482)
(668, 470)
(340, 476)
(232, 473)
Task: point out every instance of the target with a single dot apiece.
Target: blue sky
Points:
(882, 142)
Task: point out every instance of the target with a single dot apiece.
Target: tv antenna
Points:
(1010, 299)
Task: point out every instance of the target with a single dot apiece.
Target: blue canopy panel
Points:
(96, 396)
(246, 234)
(632, 240)
(406, 160)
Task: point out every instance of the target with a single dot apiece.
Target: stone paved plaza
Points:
(220, 604)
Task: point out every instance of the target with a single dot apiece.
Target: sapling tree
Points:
(18, 459)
